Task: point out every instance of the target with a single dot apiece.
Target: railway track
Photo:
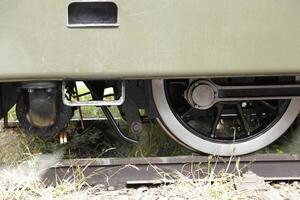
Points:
(133, 172)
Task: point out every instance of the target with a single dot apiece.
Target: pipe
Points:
(115, 126)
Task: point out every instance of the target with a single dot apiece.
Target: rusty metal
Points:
(127, 172)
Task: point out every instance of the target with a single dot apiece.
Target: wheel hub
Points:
(201, 95)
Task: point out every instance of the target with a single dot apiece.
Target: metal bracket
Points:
(75, 103)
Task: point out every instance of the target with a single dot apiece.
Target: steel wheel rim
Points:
(184, 136)
(242, 120)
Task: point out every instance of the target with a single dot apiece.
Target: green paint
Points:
(157, 38)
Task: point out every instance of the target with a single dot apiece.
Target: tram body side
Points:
(169, 38)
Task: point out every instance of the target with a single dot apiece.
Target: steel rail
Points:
(130, 172)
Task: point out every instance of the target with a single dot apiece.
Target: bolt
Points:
(244, 104)
(49, 90)
(136, 127)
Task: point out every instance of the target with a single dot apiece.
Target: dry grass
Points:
(16, 183)
(210, 187)
(21, 179)
(23, 182)
(213, 186)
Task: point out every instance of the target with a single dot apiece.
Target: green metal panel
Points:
(156, 38)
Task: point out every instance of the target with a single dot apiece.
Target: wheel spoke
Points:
(267, 105)
(187, 112)
(217, 119)
(243, 119)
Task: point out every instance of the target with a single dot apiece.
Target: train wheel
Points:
(231, 128)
